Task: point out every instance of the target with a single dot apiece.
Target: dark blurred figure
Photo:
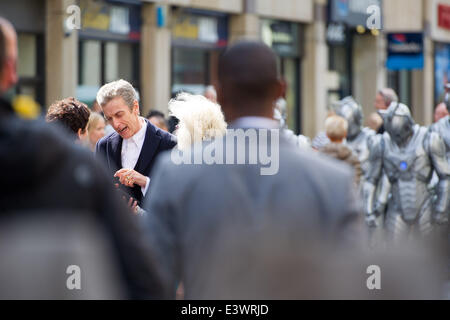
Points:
(71, 115)
(440, 112)
(336, 130)
(383, 100)
(194, 210)
(173, 123)
(158, 119)
(57, 212)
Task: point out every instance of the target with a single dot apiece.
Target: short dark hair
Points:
(70, 113)
(247, 71)
(155, 113)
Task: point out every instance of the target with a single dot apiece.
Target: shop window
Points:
(441, 70)
(285, 39)
(339, 62)
(27, 55)
(91, 63)
(118, 61)
(190, 70)
(401, 82)
(105, 61)
(31, 66)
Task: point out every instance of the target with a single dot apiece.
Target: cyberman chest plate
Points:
(409, 171)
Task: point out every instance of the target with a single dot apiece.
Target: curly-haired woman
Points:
(72, 115)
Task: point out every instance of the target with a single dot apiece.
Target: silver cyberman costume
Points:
(357, 136)
(442, 127)
(280, 114)
(407, 154)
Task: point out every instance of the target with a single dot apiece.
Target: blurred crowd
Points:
(97, 187)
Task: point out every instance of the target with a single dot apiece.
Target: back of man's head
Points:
(155, 113)
(248, 80)
(158, 119)
(388, 95)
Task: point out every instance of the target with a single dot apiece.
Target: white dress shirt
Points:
(131, 149)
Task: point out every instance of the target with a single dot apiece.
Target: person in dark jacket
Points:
(131, 151)
(46, 175)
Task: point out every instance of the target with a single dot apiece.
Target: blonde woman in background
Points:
(200, 119)
(336, 130)
(96, 129)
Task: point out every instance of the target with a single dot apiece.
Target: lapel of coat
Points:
(151, 144)
(116, 151)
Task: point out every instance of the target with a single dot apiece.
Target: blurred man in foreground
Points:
(195, 209)
(58, 214)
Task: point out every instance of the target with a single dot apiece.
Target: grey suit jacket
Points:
(194, 209)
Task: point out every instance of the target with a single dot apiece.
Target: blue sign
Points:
(441, 70)
(405, 51)
(353, 13)
(342, 8)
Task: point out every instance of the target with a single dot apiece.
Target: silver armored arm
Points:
(384, 189)
(441, 167)
(372, 177)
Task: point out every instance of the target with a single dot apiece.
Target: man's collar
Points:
(255, 122)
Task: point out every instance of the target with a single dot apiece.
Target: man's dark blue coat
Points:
(109, 148)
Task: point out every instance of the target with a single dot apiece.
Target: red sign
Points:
(444, 16)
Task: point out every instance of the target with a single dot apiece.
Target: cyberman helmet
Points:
(399, 122)
(349, 109)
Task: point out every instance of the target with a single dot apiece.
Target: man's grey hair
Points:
(388, 95)
(119, 88)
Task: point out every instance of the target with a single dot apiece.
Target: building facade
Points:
(325, 49)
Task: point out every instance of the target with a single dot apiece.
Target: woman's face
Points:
(97, 132)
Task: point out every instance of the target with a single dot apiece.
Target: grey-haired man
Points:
(131, 150)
